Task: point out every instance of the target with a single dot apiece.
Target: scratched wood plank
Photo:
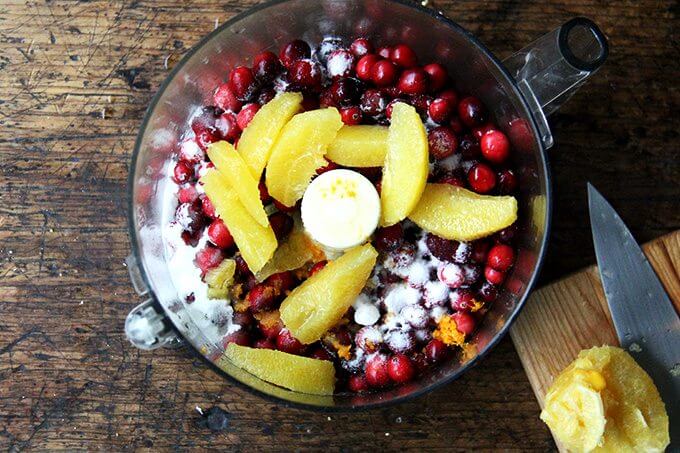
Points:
(75, 79)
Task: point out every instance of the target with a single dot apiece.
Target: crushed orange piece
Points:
(268, 318)
(344, 350)
(447, 331)
(241, 305)
(476, 305)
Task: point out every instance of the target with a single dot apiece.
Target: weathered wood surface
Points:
(75, 79)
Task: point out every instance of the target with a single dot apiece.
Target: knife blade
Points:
(645, 319)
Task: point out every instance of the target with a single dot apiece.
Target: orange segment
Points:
(359, 146)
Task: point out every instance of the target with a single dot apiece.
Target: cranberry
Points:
(208, 257)
(436, 351)
(190, 217)
(461, 300)
(272, 330)
(400, 341)
(240, 337)
(493, 276)
(310, 102)
(390, 105)
(305, 73)
(351, 116)
(479, 251)
(389, 238)
(373, 103)
(376, 371)
(326, 99)
(383, 73)
(384, 52)
(413, 81)
(340, 63)
(281, 281)
(440, 248)
(317, 267)
(261, 298)
(506, 235)
(243, 318)
(346, 91)
(264, 193)
(487, 292)
(402, 55)
(190, 152)
(357, 383)
(242, 83)
(265, 96)
(456, 125)
(365, 66)
(368, 339)
(266, 67)
(495, 146)
(242, 268)
(264, 343)
(480, 131)
(286, 342)
(219, 234)
(360, 47)
(440, 110)
(465, 323)
(452, 275)
(500, 257)
(326, 168)
(320, 353)
(472, 274)
(227, 125)
(207, 207)
(183, 172)
(482, 178)
(443, 142)
(400, 368)
(294, 51)
(282, 207)
(507, 182)
(452, 180)
(245, 116)
(469, 147)
(327, 46)
(187, 194)
(281, 223)
(471, 111)
(415, 315)
(203, 126)
(371, 173)
(225, 98)
(438, 76)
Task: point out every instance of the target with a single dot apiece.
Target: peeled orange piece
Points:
(359, 146)
(300, 374)
(315, 306)
(219, 278)
(456, 213)
(257, 243)
(257, 140)
(293, 253)
(406, 164)
(298, 153)
(230, 164)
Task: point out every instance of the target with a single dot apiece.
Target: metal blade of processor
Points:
(644, 316)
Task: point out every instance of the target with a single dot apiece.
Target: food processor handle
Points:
(551, 69)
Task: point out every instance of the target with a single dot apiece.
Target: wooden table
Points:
(75, 79)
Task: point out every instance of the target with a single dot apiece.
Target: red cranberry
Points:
(282, 207)
(225, 98)
(219, 234)
(450, 95)
(465, 323)
(286, 342)
(241, 337)
(305, 73)
(326, 168)
(480, 131)
(368, 338)
(383, 73)
(482, 178)
(294, 51)
(403, 56)
(436, 351)
(228, 126)
(443, 142)
(243, 318)
(281, 223)
(487, 292)
(270, 331)
(500, 257)
(264, 343)
(242, 268)
(452, 180)
(190, 217)
(365, 66)
(469, 148)
(371, 173)
(507, 182)
(208, 257)
(413, 81)
(264, 193)
(438, 76)
(452, 275)
(261, 298)
(183, 172)
(373, 103)
(346, 91)
(242, 82)
(357, 383)
(351, 116)
(340, 63)
(440, 110)
(245, 116)
(440, 248)
(506, 235)
(384, 52)
(281, 281)
(479, 251)
(389, 238)
(266, 67)
(327, 46)
(461, 300)
(400, 368)
(207, 207)
(495, 146)
(400, 341)
(360, 47)
(471, 111)
(456, 125)
(493, 276)
(187, 194)
(320, 353)
(203, 126)
(310, 102)
(317, 267)
(190, 152)
(265, 96)
(376, 371)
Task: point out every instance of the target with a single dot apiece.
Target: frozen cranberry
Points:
(384, 52)
(493, 276)
(402, 55)
(383, 73)
(479, 251)
(340, 63)
(452, 180)
(265, 96)
(495, 146)
(440, 110)
(471, 111)
(190, 152)
(506, 235)
(462, 300)
(357, 383)
(436, 351)
(500, 257)
(242, 83)
(400, 368)
(310, 102)
(360, 47)
(286, 342)
(373, 103)
(441, 248)
(264, 343)
(469, 147)
(389, 238)
(220, 235)
(351, 116)
(203, 126)
(183, 172)
(208, 257)
(422, 103)
(225, 98)
(187, 194)
(320, 353)
(376, 371)
(327, 46)
(294, 51)
(487, 292)
(264, 193)
(365, 66)
(243, 318)
(227, 125)
(317, 267)
(438, 76)
(241, 337)
(282, 207)
(465, 323)
(368, 338)
(281, 223)
(507, 182)
(450, 95)
(452, 275)
(346, 91)
(190, 217)
(305, 73)
(207, 207)
(241, 266)
(245, 116)
(480, 131)
(281, 281)
(326, 168)
(400, 341)
(482, 178)
(415, 315)
(266, 67)
(373, 174)
(390, 105)
(456, 125)
(261, 298)
(413, 81)
(472, 273)
(443, 142)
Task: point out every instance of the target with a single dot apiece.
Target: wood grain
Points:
(570, 315)
(75, 80)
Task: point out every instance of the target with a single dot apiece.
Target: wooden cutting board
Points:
(562, 318)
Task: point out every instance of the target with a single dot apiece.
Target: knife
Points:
(644, 316)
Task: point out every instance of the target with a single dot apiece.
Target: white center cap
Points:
(340, 209)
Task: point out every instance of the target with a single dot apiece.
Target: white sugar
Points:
(365, 312)
(436, 293)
